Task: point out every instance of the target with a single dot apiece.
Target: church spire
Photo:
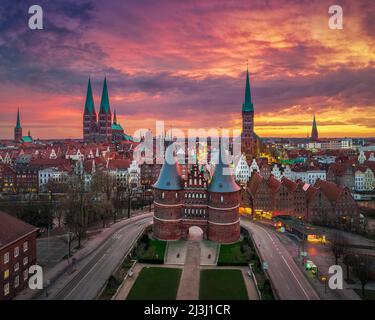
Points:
(89, 104)
(248, 104)
(104, 104)
(114, 117)
(18, 123)
(314, 131)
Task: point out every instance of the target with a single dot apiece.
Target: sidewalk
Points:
(189, 283)
(59, 271)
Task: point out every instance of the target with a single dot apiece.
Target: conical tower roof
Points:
(169, 177)
(89, 104)
(223, 180)
(247, 106)
(104, 103)
(18, 123)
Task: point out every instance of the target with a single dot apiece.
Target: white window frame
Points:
(25, 246)
(16, 251)
(6, 257)
(16, 281)
(6, 289)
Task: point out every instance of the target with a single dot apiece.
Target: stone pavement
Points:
(62, 269)
(209, 253)
(189, 283)
(176, 252)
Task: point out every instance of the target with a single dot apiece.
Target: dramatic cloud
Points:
(184, 62)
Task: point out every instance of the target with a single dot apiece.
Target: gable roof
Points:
(12, 229)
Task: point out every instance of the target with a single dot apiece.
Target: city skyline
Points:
(198, 64)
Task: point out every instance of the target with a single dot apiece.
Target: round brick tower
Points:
(168, 196)
(223, 205)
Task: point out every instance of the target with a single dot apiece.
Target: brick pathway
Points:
(189, 283)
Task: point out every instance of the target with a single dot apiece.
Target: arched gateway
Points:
(181, 204)
(195, 234)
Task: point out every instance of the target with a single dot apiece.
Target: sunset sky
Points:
(184, 62)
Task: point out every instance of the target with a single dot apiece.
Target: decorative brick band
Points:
(167, 220)
(224, 209)
(224, 224)
(168, 205)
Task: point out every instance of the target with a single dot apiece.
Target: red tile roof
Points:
(273, 183)
(12, 229)
(254, 183)
(330, 189)
(289, 184)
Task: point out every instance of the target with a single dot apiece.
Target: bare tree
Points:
(363, 267)
(78, 207)
(103, 186)
(338, 245)
(348, 261)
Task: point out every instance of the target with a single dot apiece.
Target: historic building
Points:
(100, 128)
(17, 254)
(183, 203)
(18, 128)
(250, 141)
(314, 131)
(18, 137)
(323, 203)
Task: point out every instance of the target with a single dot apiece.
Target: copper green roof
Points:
(169, 177)
(27, 139)
(127, 137)
(116, 126)
(223, 179)
(247, 106)
(104, 103)
(89, 104)
(18, 124)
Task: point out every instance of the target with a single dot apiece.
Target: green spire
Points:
(104, 104)
(248, 104)
(89, 105)
(18, 124)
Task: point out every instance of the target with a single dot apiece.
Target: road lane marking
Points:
(305, 293)
(87, 273)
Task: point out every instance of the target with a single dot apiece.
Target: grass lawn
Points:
(369, 294)
(156, 250)
(156, 284)
(231, 254)
(222, 284)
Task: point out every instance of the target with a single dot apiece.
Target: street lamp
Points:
(324, 279)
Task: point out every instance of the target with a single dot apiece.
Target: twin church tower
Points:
(101, 128)
(97, 128)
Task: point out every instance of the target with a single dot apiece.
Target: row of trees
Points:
(101, 200)
(362, 264)
(76, 204)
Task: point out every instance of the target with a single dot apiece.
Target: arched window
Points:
(221, 199)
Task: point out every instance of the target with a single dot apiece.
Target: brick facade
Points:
(17, 255)
(217, 214)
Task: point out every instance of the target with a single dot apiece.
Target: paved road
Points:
(93, 271)
(286, 277)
